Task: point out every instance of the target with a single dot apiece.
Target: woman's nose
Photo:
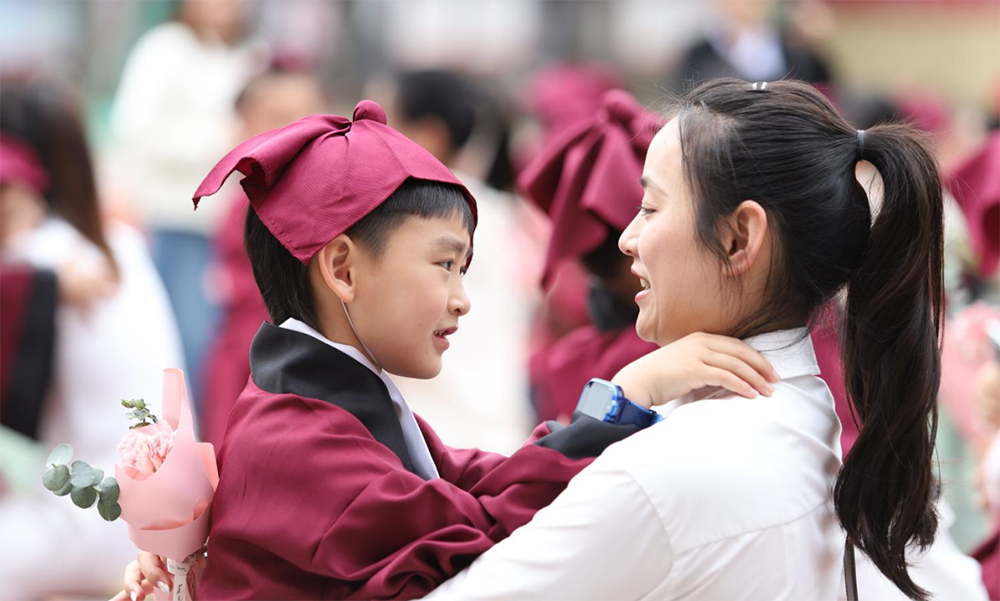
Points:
(628, 241)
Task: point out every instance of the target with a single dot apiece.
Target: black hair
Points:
(283, 280)
(788, 149)
(606, 260)
(443, 95)
(46, 117)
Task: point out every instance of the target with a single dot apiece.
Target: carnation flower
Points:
(142, 451)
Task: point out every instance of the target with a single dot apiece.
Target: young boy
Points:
(329, 486)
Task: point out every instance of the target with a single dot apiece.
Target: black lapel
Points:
(288, 362)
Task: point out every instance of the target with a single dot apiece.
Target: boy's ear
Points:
(744, 236)
(337, 264)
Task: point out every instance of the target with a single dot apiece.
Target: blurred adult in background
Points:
(27, 309)
(746, 42)
(113, 349)
(172, 118)
(270, 100)
(587, 180)
(480, 397)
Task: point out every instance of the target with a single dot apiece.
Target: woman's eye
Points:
(644, 211)
(463, 271)
(447, 265)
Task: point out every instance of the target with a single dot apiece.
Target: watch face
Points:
(597, 401)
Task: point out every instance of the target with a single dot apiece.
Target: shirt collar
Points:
(790, 352)
(300, 326)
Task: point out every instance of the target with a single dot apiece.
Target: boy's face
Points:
(408, 301)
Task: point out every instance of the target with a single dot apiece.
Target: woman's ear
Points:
(337, 263)
(745, 236)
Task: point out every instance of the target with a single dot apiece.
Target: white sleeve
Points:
(600, 539)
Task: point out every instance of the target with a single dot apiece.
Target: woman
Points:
(751, 221)
(114, 349)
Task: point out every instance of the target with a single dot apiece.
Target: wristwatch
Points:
(606, 402)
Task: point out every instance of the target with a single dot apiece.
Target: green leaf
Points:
(109, 491)
(109, 512)
(65, 490)
(84, 498)
(84, 476)
(55, 477)
(61, 455)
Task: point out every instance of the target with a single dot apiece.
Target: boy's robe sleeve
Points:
(372, 528)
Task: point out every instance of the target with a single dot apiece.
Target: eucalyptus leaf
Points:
(109, 491)
(85, 476)
(55, 477)
(109, 512)
(65, 490)
(61, 455)
(84, 498)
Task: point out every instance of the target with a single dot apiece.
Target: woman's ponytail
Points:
(886, 493)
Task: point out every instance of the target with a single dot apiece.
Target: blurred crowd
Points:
(109, 275)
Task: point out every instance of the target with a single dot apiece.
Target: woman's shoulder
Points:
(729, 466)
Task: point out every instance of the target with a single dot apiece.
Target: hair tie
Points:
(861, 144)
(759, 86)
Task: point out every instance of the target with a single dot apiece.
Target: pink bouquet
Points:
(163, 485)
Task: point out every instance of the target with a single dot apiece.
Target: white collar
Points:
(790, 352)
(300, 326)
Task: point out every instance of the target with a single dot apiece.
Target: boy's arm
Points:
(374, 529)
(507, 486)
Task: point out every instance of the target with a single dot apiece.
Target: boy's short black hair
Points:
(283, 280)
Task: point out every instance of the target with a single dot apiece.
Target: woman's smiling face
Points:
(681, 278)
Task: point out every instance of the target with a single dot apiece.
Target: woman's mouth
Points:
(645, 286)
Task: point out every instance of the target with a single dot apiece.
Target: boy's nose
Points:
(459, 303)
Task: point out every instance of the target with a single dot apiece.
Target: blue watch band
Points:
(605, 401)
(635, 414)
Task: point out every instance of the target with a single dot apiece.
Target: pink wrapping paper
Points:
(167, 513)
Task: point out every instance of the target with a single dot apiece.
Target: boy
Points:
(329, 486)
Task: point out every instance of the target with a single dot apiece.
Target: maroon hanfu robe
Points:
(317, 498)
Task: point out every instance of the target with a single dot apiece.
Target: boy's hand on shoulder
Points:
(696, 361)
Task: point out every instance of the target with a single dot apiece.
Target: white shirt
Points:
(173, 119)
(416, 446)
(726, 498)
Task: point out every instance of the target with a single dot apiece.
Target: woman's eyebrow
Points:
(646, 182)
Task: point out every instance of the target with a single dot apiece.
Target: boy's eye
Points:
(447, 265)
(645, 211)
(464, 270)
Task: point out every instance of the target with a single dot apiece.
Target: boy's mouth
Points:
(441, 337)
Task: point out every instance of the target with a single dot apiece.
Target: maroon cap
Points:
(975, 185)
(313, 179)
(19, 163)
(587, 178)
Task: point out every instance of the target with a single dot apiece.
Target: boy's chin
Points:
(425, 371)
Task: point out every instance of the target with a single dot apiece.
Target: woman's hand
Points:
(146, 572)
(696, 361)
